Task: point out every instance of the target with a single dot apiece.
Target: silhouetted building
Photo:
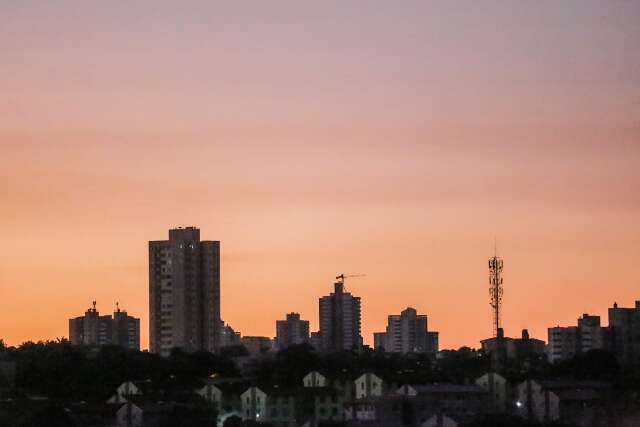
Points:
(315, 340)
(502, 347)
(407, 332)
(566, 342)
(126, 330)
(563, 343)
(229, 337)
(497, 388)
(624, 329)
(184, 292)
(256, 345)
(379, 340)
(339, 321)
(291, 331)
(94, 329)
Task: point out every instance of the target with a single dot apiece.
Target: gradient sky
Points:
(396, 139)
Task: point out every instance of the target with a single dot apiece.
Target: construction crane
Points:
(343, 276)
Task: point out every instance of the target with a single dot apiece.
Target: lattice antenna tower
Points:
(496, 290)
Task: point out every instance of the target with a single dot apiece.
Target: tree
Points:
(592, 365)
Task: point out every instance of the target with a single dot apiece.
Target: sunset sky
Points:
(392, 139)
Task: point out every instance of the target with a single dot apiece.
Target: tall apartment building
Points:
(339, 321)
(567, 342)
(624, 329)
(94, 329)
(291, 331)
(184, 293)
(407, 332)
(126, 330)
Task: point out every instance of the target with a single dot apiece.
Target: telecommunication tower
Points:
(496, 290)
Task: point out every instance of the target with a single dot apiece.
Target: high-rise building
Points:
(339, 321)
(94, 329)
(126, 330)
(407, 332)
(184, 293)
(291, 331)
(567, 342)
(624, 330)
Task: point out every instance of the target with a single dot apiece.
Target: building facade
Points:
(406, 333)
(94, 329)
(339, 321)
(563, 343)
(368, 385)
(567, 342)
(125, 330)
(291, 331)
(497, 388)
(624, 330)
(184, 293)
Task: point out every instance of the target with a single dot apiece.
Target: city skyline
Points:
(367, 337)
(191, 236)
(396, 142)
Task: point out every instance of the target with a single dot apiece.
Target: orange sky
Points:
(314, 140)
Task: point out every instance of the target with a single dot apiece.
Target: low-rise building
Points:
(514, 348)
(575, 402)
(314, 379)
(419, 405)
(368, 385)
(328, 405)
(497, 388)
(127, 390)
(254, 404)
(461, 403)
(224, 395)
(212, 394)
(277, 407)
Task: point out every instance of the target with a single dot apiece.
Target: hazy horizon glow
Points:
(315, 139)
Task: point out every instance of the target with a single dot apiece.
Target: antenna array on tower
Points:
(496, 290)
